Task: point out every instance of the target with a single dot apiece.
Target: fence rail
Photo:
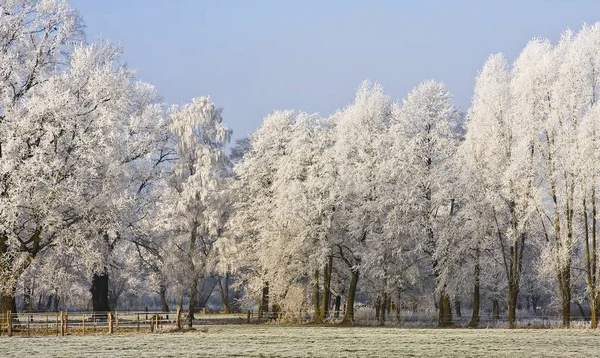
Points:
(64, 322)
(86, 323)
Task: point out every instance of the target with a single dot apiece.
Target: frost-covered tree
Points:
(192, 206)
(427, 123)
(360, 132)
(75, 123)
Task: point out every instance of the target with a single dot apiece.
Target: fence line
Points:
(84, 323)
(64, 322)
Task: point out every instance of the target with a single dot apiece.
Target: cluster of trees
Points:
(409, 204)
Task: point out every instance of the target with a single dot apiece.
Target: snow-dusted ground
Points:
(307, 341)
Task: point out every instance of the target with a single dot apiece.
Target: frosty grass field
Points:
(306, 341)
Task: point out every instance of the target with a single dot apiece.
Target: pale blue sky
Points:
(255, 56)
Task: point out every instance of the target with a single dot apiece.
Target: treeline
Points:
(413, 204)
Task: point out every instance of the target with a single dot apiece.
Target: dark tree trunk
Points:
(382, 309)
(264, 304)
(445, 312)
(349, 315)
(193, 300)
(513, 295)
(316, 299)
(495, 309)
(476, 298)
(566, 298)
(49, 302)
(224, 291)
(99, 290)
(162, 291)
(338, 303)
(326, 288)
(8, 304)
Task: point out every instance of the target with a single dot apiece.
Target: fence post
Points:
(47, 323)
(62, 323)
(83, 323)
(248, 319)
(9, 323)
(110, 323)
(138, 322)
(156, 321)
(57, 324)
(178, 319)
(66, 321)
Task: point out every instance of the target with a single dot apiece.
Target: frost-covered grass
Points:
(314, 341)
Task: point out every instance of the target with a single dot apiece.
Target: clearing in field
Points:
(303, 341)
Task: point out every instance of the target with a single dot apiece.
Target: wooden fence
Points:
(64, 322)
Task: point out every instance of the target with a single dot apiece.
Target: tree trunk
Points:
(349, 315)
(513, 295)
(495, 309)
(382, 309)
(193, 299)
(224, 291)
(565, 292)
(316, 300)
(99, 290)
(56, 302)
(8, 304)
(445, 312)
(338, 304)
(593, 314)
(476, 298)
(162, 291)
(264, 304)
(326, 288)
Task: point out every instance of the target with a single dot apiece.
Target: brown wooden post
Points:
(66, 321)
(156, 321)
(62, 323)
(110, 323)
(178, 319)
(9, 323)
(248, 319)
(138, 322)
